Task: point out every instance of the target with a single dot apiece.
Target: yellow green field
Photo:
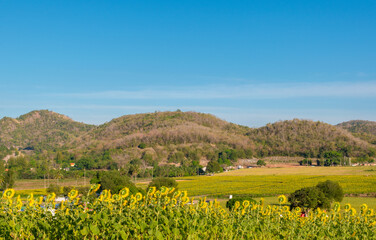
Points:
(273, 181)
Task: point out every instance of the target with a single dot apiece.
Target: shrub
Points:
(309, 197)
(53, 188)
(163, 181)
(261, 163)
(142, 146)
(332, 190)
(112, 180)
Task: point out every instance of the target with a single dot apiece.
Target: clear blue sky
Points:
(248, 62)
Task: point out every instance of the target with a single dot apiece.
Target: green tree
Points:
(332, 158)
(112, 180)
(213, 166)
(332, 190)
(8, 180)
(309, 197)
(261, 163)
(163, 181)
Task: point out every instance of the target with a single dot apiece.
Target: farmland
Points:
(261, 182)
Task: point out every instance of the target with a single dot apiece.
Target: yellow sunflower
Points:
(73, 194)
(9, 193)
(124, 192)
(282, 199)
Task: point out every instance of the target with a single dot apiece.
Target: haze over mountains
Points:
(164, 134)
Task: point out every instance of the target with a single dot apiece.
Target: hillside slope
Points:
(306, 138)
(365, 130)
(175, 137)
(40, 130)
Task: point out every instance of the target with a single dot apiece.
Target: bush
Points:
(163, 181)
(230, 203)
(53, 188)
(142, 146)
(309, 197)
(261, 163)
(213, 166)
(112, 180)
(305, 162)
(332, 190)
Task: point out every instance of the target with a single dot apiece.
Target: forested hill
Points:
(365, 130)
(307, 138)
(176, 137)
(40, 130)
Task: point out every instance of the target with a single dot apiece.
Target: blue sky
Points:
(248, 62)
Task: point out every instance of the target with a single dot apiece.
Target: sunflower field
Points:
(170, 214)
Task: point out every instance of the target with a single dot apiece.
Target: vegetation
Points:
(230, 204)
(44, 144)
(271, 185)
(155, 215)
(163, 181)
(320, 196)
(365, 130)
(114, 182)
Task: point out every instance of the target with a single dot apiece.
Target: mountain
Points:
(175, 137)
(40, 130)
(365, 130)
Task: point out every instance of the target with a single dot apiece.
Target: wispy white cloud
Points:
(250, 91)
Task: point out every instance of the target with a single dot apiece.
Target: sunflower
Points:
(170, 190)
(124, 192)
(369, 212)
(138, 196)
(246, 203)
(337, 207)
(116, 197)
(164, 190)
(19, 203)
(177, 194)
(51, 197)
(9, 193)
(30, 197)
(347, 207)
(73, 194)
(151, 191)
(282, 199)
(94, 188)
(352, 212)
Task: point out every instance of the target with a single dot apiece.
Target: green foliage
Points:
(53, 188)
(230, 203)
(332, 158)
(213, 166)
(8, 180)
(142, 146)
(322, 195)
(332, 190)
(305, 162)
(261, 162)
(309, 197)
(112, 180)
(163, 181)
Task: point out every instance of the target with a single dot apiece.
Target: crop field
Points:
(261, 182)
(24, 184)
(303, 170)
(171, 214)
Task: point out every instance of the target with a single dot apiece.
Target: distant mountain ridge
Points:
(168, 134)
